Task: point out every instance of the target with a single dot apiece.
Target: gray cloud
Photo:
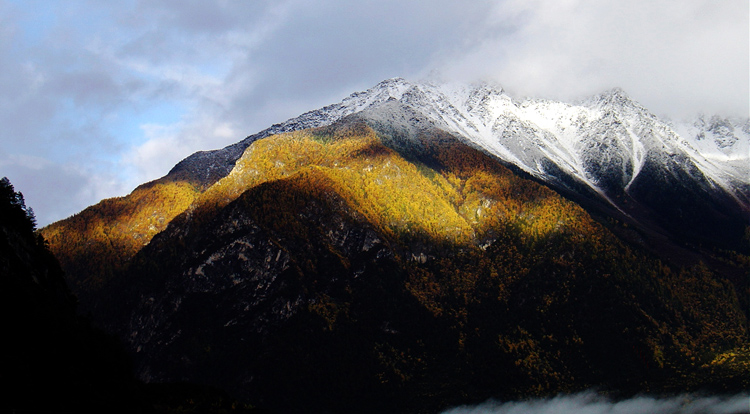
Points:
(677, 58)
(55, 191)
(322, 51)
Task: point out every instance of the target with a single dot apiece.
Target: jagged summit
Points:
(530, 134)
(614, 96)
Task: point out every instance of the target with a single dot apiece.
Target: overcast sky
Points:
(97, 97)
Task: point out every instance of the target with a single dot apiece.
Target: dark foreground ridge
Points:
(54, 361)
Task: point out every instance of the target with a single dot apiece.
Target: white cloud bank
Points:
(590, 403)
(678, 58)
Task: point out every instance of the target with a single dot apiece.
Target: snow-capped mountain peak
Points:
(608, 143)
(604, 141)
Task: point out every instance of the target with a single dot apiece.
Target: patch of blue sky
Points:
(127, 124)
(215, 68)
(36, 19)
(108, 134)
(40, 21)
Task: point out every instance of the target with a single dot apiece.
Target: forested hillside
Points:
(332, 269)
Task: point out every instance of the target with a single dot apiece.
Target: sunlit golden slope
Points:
(513, 287)
(99, 240)
(459, 202)
(460, 198)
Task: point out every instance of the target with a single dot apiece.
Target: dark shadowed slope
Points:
(331, 271)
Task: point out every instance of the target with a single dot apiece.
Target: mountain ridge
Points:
(441, 205)
(474, 111)
(354, 246)
(597, 168)
(541, 134)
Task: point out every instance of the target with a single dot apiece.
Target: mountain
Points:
(418, 246)
(607, 153)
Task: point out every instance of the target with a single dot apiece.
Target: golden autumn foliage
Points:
(490, 233)
(495, 256)
(377, 181)
(99, 240)
(466, 196)
(461, 202)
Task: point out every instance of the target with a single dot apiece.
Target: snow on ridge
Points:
(609, 126)
(723, 145)
(719, 147)
(718, 138)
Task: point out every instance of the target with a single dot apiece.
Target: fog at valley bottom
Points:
(591, 403)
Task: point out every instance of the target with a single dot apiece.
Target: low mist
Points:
(591, 403)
